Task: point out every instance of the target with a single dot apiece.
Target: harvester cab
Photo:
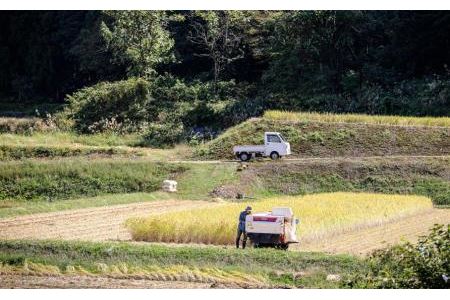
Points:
(277, 228)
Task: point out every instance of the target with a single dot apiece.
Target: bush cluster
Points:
(423, 265)
(414, 97)
(118, 107)
(165, 109)
(27, 125)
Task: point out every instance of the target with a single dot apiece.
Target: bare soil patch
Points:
(94, 224)
(11, 281)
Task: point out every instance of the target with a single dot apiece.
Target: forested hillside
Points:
(194, 73)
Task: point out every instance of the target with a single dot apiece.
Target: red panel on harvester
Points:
(264, 219)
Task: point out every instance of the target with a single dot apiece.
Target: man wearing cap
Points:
(241, 227)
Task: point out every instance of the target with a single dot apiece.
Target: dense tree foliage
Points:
(218, 34)
(138, 39)
(389, 62)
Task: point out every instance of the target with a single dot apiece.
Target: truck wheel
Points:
(284, 246)
(244, 156)
(274, 155)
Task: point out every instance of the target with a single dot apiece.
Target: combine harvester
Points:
(275, 229)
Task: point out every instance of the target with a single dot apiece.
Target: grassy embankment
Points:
(321, 215)
(327, 135)
(42, 186)
(206, 264)
(429, 177)
(56, 144)
(33, 137)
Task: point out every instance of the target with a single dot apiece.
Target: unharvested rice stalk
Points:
(356, 118)
(320, 214)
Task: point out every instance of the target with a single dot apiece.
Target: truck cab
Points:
(276, 145)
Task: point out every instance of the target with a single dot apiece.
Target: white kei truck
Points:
(276, 229)
(275, 146)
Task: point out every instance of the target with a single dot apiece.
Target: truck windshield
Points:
(272, 138)
(282, 138)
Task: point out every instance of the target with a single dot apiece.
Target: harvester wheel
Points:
(284, 246)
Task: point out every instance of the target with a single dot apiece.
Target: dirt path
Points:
(363, 241)
(10, 281)
(310, 159)
(98, 224)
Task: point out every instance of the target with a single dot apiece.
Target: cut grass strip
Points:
(66, 144)
(60, 138)
(275, 266)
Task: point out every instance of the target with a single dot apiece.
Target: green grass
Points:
(52, 185)
(63, 179)
(327, 139)
(356, 118)
(17, 208)
(69, 138)
(197, 182)
(274, 266)
(66, 144)
(12, 152)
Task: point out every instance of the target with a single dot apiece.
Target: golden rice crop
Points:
(319, 214)
(356, 118)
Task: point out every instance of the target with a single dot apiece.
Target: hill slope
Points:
(314, 138)
(428, 176)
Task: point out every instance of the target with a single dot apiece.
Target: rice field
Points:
(356, 118)
(320, 215)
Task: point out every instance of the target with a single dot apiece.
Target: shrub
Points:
(163, 135)
(119, 107)
(240, 110)
(425, 96)
(169, 90)
(27, 125)
(423, 265)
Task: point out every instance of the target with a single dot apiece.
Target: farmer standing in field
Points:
(241, 227)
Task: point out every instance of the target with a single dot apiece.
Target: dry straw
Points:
(356, 118)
